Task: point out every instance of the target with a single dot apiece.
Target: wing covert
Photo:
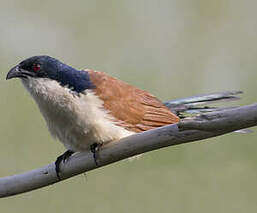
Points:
(133, 108)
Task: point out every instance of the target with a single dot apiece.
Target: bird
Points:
(85, 109)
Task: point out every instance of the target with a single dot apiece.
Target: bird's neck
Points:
(77, 80)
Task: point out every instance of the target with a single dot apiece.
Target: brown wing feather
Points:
(137, 109)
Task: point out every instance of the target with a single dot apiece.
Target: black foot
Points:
(94, 148)
(61, 158)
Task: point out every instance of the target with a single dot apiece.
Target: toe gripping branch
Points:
(62, 158)
(94, 149)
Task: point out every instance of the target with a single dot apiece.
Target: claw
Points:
(62, 158)
(94, 149)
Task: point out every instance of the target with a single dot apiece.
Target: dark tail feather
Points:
(194, 105)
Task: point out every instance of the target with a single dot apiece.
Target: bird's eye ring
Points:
(36, 67)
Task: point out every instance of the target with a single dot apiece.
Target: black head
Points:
(51, 68)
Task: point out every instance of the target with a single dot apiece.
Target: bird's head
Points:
(51, 68)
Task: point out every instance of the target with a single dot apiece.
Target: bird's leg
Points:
(61, 158)
(94, 149)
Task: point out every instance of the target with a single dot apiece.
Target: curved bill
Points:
(16, 72)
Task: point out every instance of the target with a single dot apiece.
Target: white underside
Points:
(77, 121)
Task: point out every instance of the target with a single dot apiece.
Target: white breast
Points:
(77, 121)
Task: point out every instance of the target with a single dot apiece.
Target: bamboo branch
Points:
(188, 130)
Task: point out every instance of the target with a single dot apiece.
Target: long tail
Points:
(194, 105)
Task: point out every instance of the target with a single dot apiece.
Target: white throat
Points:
(77, 121)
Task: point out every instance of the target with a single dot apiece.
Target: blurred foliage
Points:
(173, 49)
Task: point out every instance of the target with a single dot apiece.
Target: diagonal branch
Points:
(188, 130)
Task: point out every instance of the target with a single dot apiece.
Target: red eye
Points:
(36, 67)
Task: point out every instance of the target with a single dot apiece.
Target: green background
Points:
(172, 48)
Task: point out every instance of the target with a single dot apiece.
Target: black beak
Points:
(16, 72)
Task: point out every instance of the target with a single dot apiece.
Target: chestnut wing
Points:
(134, 109)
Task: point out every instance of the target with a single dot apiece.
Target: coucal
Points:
(86, 108)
